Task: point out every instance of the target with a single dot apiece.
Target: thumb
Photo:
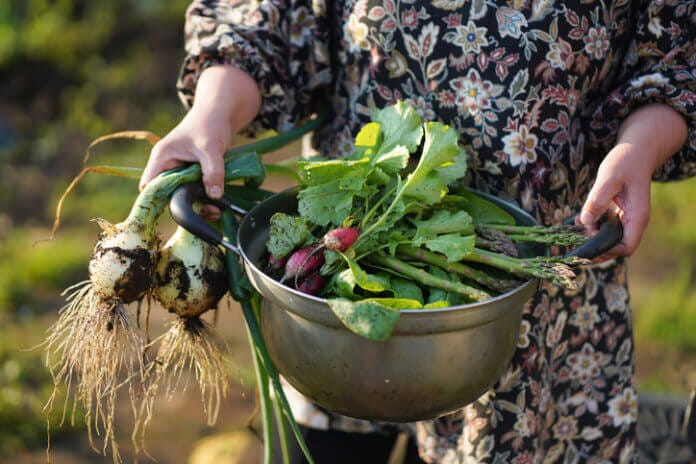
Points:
(600, 198)
(213, 169)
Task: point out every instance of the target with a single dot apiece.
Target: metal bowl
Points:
(435, 362)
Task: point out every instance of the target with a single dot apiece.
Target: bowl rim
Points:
(443, 319)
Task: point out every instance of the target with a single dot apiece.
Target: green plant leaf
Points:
(397, 303)
(440, 147)
(400, 125)
(315, 173)
(370, 136)
(370, 282)
(326, 203)
(394, 160)
(483, 211)
(287, 233)
(454, 247)
(367, 318)
(344, 283)
(406, 288)
(444, 222)
(454, 171)
(429, 189)
(437, 304)
(437, 294)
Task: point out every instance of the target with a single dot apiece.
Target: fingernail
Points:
(215, 191)
(587, 218)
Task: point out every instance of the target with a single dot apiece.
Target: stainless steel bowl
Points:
(435, 362)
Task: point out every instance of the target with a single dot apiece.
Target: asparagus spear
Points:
(498, 285)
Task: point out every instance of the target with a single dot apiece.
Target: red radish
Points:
(312, 284)
(302, 262)
(340, 239)
(276, 264)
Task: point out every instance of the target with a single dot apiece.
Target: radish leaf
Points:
(367, 318)
(286, 233)
(454, 246)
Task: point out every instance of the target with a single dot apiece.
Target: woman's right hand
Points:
(227, 99)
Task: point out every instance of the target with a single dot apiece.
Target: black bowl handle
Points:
(181, 209)
(609, 235)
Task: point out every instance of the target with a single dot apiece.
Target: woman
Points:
(563, 107)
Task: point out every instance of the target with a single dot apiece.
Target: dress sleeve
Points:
(282, 44)
(660, 66)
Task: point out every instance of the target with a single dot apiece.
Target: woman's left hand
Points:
(647, 138)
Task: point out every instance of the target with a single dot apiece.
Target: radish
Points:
(312, 284)
(275, 264)
(309, 258)
(340, 239)
(302, 262)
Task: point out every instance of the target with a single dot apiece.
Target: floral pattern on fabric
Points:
(537, 90)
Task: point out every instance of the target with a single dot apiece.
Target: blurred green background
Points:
(71, 71)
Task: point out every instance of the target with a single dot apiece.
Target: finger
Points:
(600, 198)
(211, 213)
(611, 254)
(213, 170)
(634, 213)
(162, 158)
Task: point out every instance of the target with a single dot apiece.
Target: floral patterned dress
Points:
(537, 89)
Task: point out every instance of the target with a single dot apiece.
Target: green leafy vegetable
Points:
(417, 227)
(287, 233)
(367, 318)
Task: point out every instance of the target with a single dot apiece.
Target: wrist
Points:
(229, 94)
(657, 130)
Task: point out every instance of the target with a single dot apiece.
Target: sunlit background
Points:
(71, 71)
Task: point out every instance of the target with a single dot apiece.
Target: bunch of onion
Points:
(191, 278)
(94, 343)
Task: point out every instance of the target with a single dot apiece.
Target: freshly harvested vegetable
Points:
(191, 278)
(408, 222)
(94, 339)
(312, 284)
(302, 262)
(340, 239)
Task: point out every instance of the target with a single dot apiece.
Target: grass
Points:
(663, 294)
(25, 385)
(667, 311)
(32, 273)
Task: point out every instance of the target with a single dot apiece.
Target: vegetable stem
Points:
(260, 346)
(428, 279)
(499, 285)
(269, 144)
(282, 431)
(553, 235)
(375, 207)
(264, 402)
(555, 270)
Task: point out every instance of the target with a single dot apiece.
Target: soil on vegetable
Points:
(176, 271)
(137, 278)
